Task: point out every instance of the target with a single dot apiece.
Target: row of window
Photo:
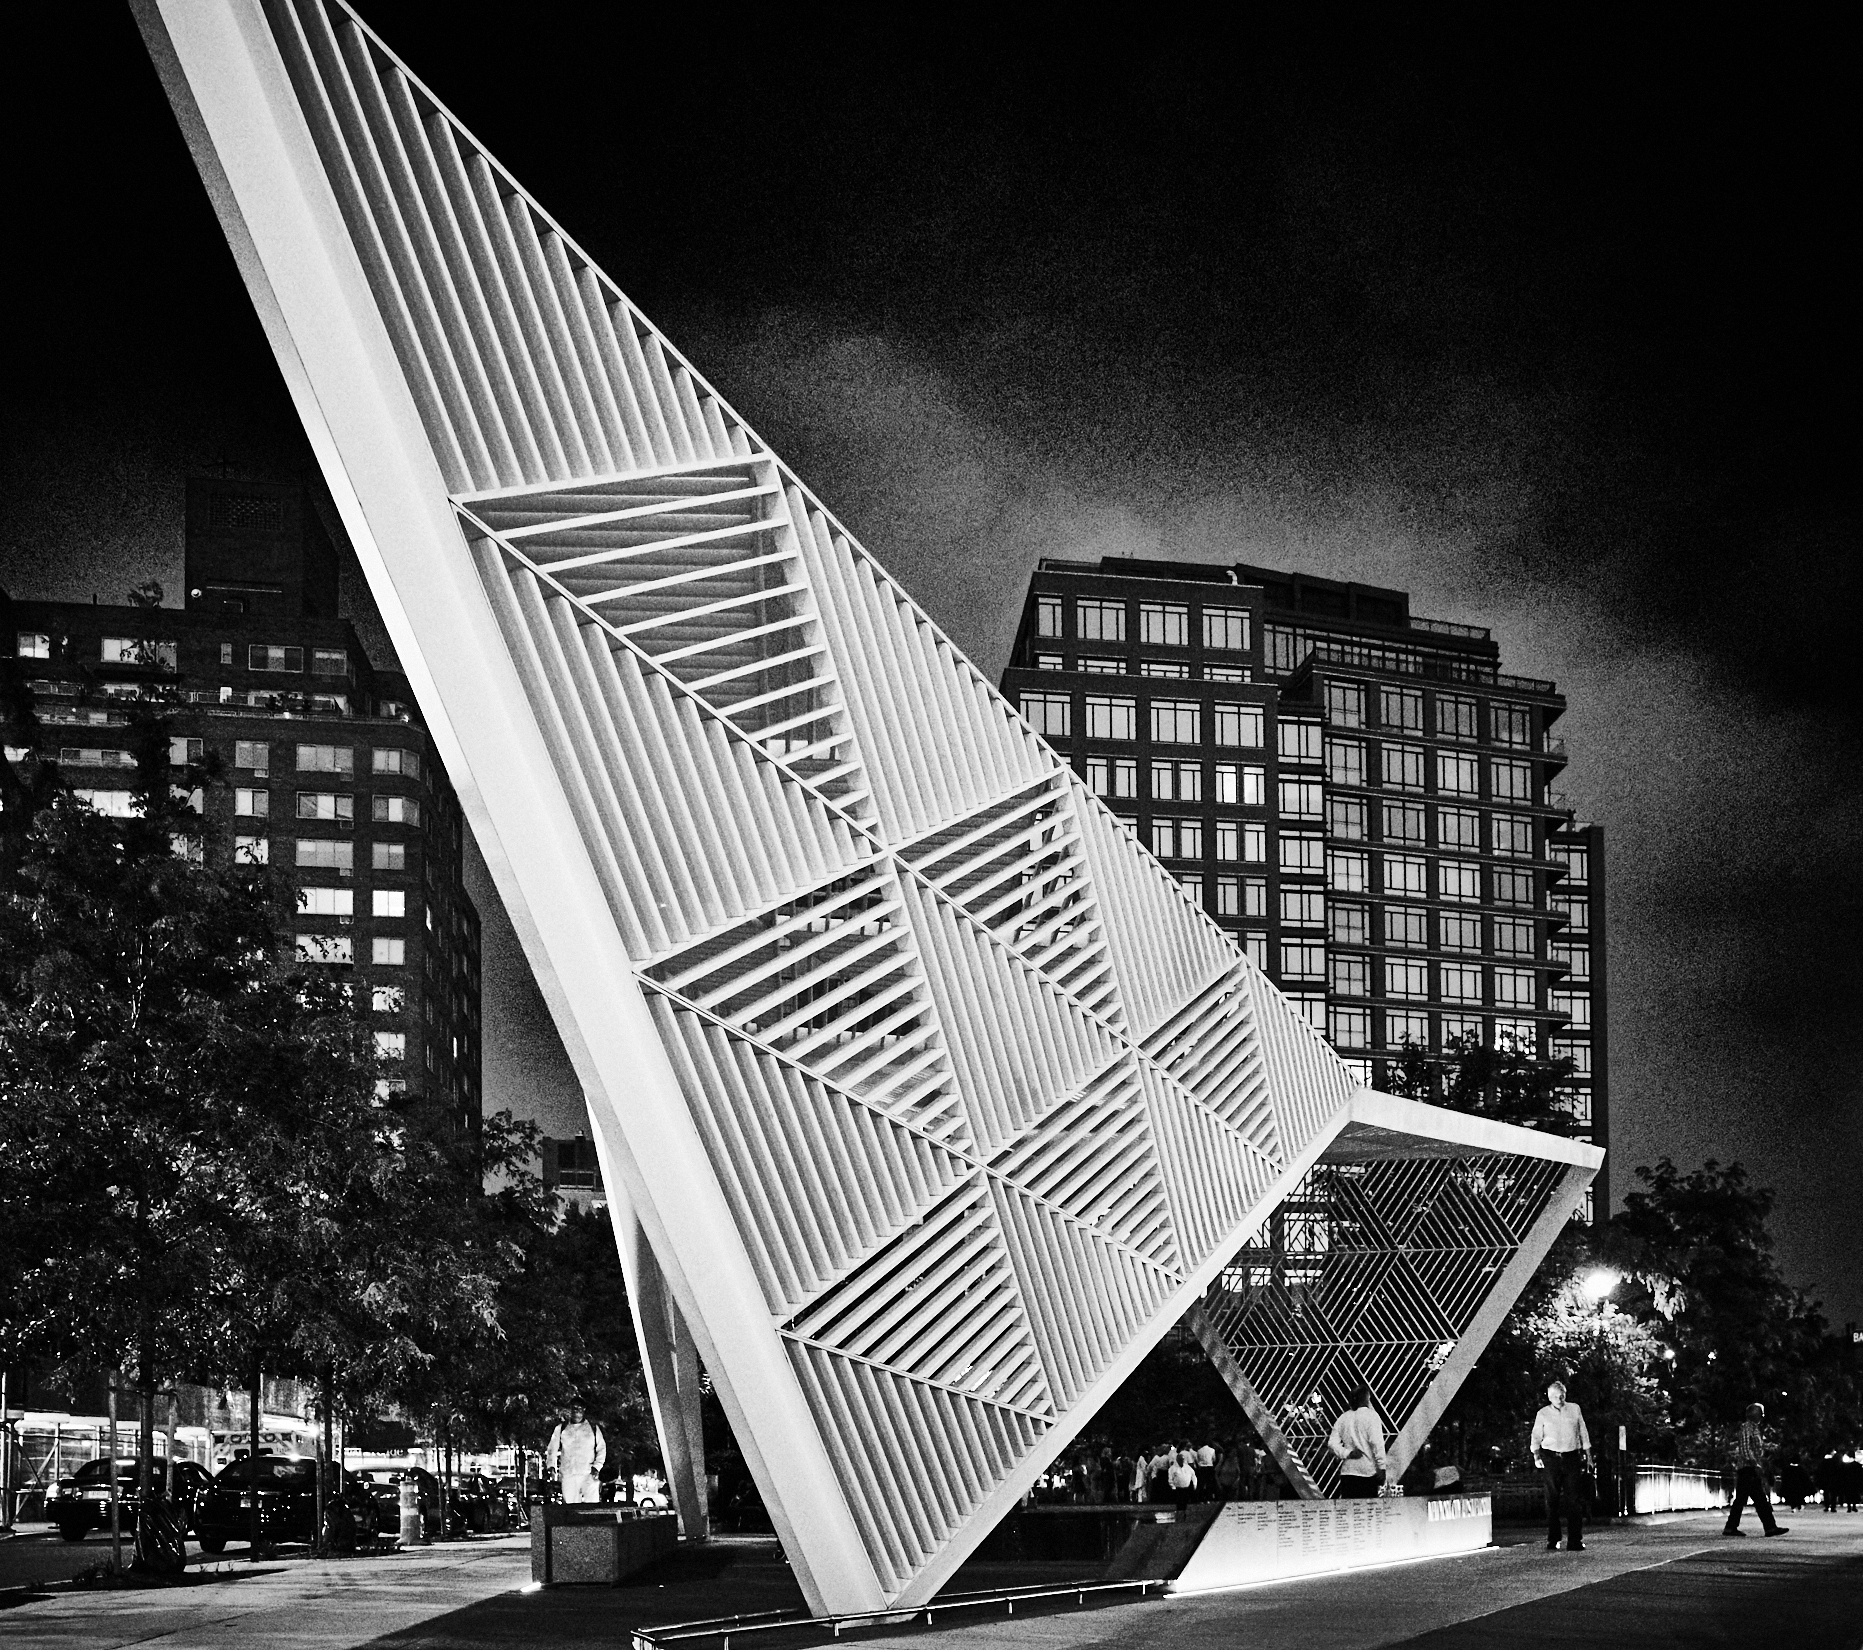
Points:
(1230, 839)
(385, 951)
(336, 806)
(1161, 624)
(1349, 819)
(1173, 721)
(1404, 768)
(1354, 975)
(323, 854)
(254, 754)
(1407, 926)
(165, 655)
(1350, 1027)
(1350, 871)
(1170, 670)
(341, 902)
(1457, 716)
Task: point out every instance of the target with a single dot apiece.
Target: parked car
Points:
(383, 1480)
(478, 1504)
(81, 1503)
(286, 1486)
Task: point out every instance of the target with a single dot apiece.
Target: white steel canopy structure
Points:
(928, 1101)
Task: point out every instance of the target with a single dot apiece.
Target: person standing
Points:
(1358, 1442)
(1561, 1447)
(575, 1454)
(1182, 1477)
(1750, 1450)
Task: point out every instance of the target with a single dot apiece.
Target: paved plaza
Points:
(1673, 1581)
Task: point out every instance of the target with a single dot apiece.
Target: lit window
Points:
(1049, 714)
(389, 902)
(88, 756)
(1345, 761)
(1285, 648)
(1043, 661)
(252, 804)
(1511, 781)
(327, 902)
(1401, 708)
(183, 753)
(250, 753)
(1403, 767)
(329, 661)
(1461, 983)
(1348, 871)
(1519, 1035)
(1192, 884)
(1302, 855)
(1175, 721)
(1303, 907)
(1351, 924)
(1515, 988)
(1575, 1003)
(1298, 741)
(1512, 724)
(1300, 798)
(1458, 880)
(115, 804)
(1577, 911)
(1576, 1101)
(1512, 887)
(251, 850)
(1302, 960)
(391, 1045)
(1047, 615)
(388, 999)
(1577, 861)
(326, 805)
(136, 650)
(1578, 1053)
(1238, 726)
(1310, 1007)
(1405, 874)
(326, 856)
(405, 763)
(1227, 673)
(1225, 629)
(325, 948)
(1165, 669)
(387, 953)
(1177, 781)
(1241, 787)
(1459, 931)
(1351, 976)
(1111, 718)
(394, 810)
(326, 759)
(1345, 704)
(1407, 925)
(1255, 948)
(1404, 1028)
(1458, 775)
(1243, 839)
(1406, 977)
(388, 856)
(1403, 822)
(194, 800)
(31, 644)
(1455, 717)
(1100, 621)
(1164, 624)
(190, 848)
(1458, 828)
(1112, 776)
(1345, 818)
(1461, 1029)
(261, 657)
(1177, 838)
(1577, 960)
(1103, 667)
(1513, 936)
(1348, 1027)
(1241, 897)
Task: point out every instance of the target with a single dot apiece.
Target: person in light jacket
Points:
(1358, 1442)
(575, 1454)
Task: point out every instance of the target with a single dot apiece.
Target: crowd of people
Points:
(1179, 1472)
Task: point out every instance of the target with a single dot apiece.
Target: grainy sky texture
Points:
(1552, 330)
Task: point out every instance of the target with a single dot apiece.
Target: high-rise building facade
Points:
(1362, 796)
(316, 763)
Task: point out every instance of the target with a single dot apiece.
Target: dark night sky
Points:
(1552, 330)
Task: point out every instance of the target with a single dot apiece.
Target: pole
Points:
(116, 1507)
(252, 1462)
(6, 1459)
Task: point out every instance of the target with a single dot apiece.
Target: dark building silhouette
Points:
(1361, 796)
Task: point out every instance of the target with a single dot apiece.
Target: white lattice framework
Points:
(927, 1099)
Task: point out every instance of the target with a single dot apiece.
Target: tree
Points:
(1510, 1084)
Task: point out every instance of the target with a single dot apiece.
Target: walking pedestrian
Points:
(575, 1454)
(1850, 1481)
(1141, 1478)
(1750, 1451)
(1358, 1442)
(1561, 1446)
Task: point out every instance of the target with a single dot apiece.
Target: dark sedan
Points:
(81, 1503)
(286, 1488)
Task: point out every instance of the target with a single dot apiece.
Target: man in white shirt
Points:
(1358, 1442)
(575, 1454)
(1561, 1448)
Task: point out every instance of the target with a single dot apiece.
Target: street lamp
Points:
(1598, 1283)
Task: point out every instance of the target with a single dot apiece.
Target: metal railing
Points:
(769, 1621)
(1445, 627)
